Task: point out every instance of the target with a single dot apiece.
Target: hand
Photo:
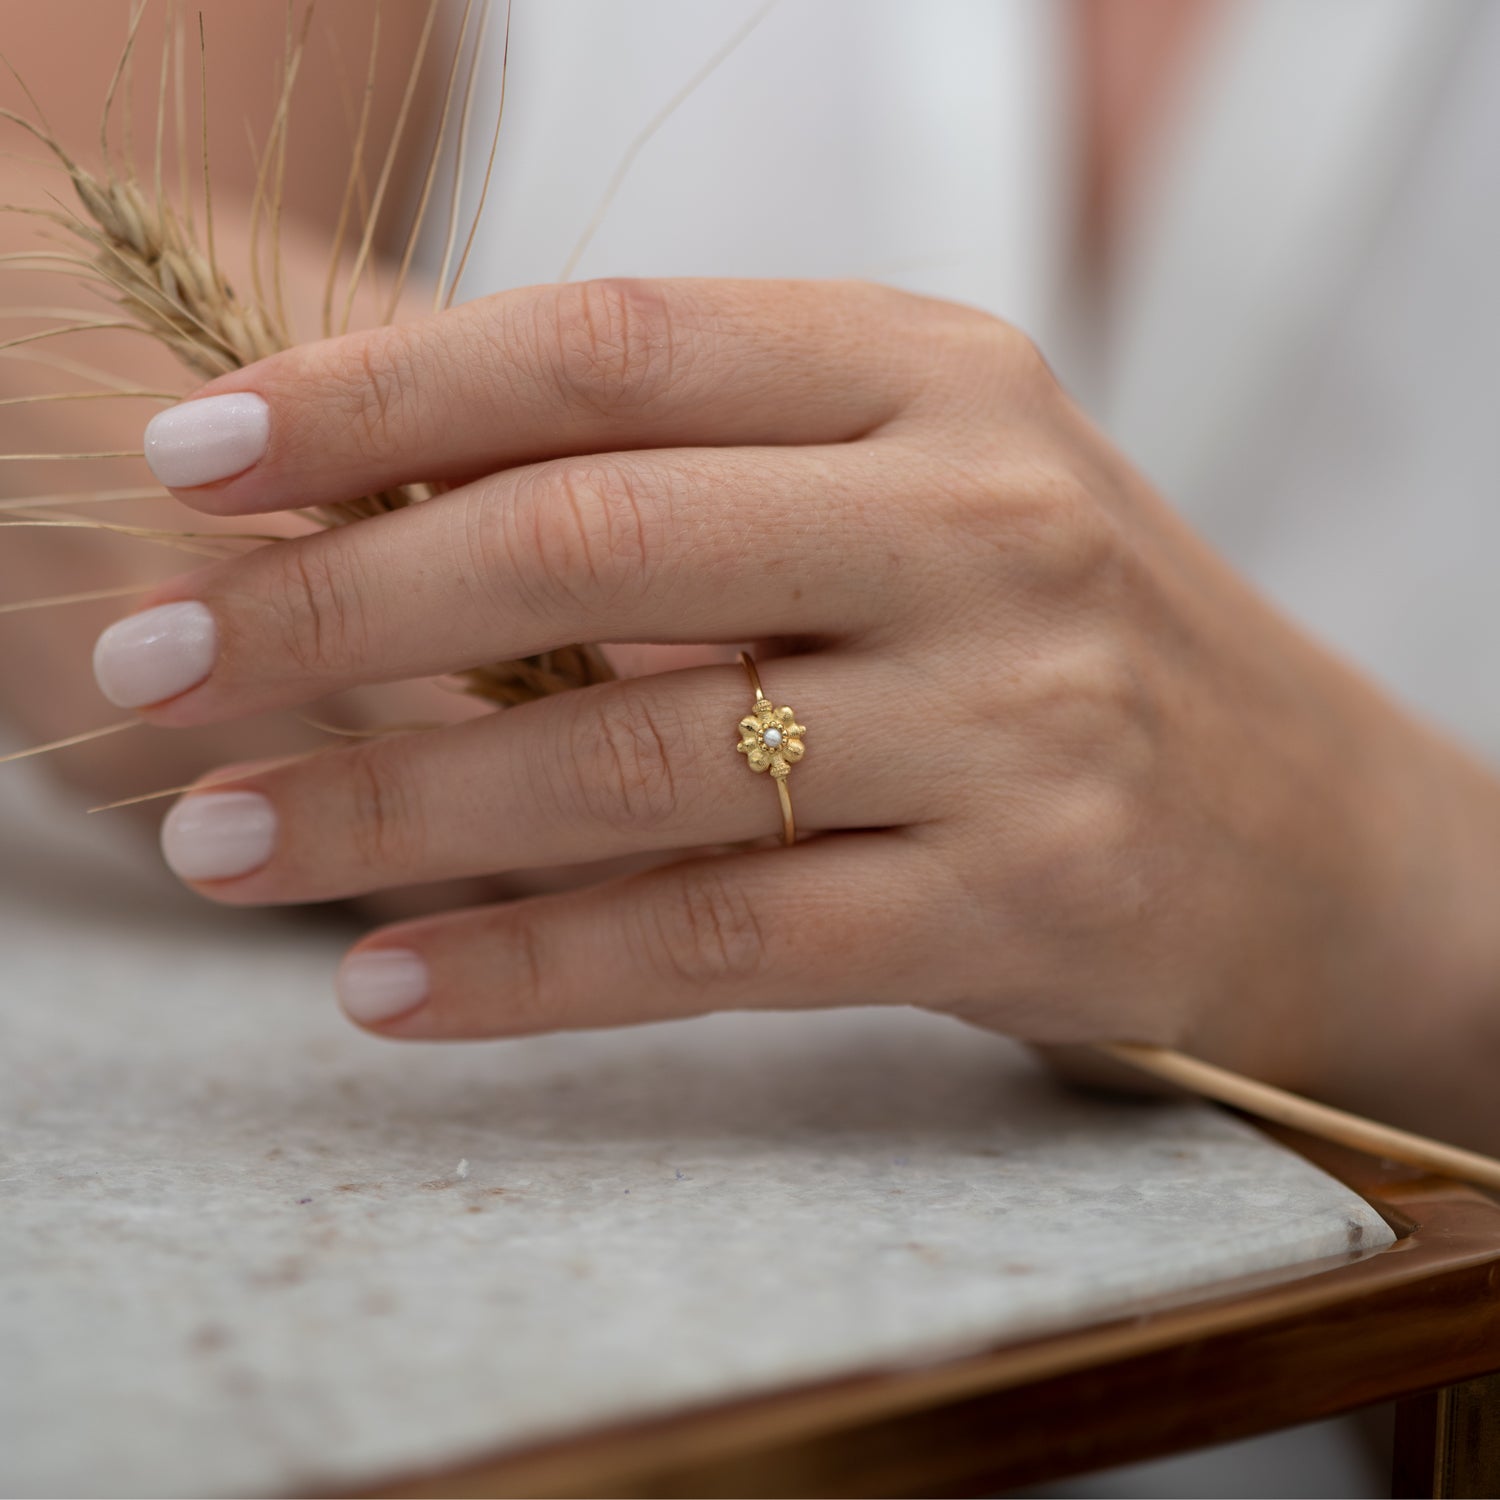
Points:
(1066, 775)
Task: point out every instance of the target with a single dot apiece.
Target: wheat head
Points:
(148, 258)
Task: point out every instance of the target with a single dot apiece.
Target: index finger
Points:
(542, 372)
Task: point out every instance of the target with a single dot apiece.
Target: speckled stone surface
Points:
(244, 1249)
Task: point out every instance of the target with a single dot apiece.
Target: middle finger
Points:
(680, 545)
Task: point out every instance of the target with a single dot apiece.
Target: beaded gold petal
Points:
(769, 738)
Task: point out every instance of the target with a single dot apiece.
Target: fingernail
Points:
(198, 442)
(218, 835)
(381, 984)
(155, 654)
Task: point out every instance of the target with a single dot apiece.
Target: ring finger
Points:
(618, 768)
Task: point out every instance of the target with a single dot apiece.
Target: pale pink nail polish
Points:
(381, 984)
(218, 835)
(199, 442)
(155, 654)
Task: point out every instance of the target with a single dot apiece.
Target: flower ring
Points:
(771, 740)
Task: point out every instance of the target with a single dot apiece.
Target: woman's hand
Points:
(1066, 775)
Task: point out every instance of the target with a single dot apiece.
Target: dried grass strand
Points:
(88, 497)
(31, 98)
(179, 94)
(388, 166)
(120, 591)
(208, 187)
(41, 310)
(460, 153)
(159, 145)
(121, 67)
(127, 117)
(178, 541)
(150, 533)
(278, 199)
(72, 739)
(1322, 1120)
(451, 295)
(207, 785)
(33, 260)
(54, 333)
(429, 177)
(39, 133)
(58, 458)
(354, 183)
(269, 765)
(78, 367)
(636, 146)
(382, 731)
(39, 400)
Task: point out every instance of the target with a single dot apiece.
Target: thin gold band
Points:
(766, 720)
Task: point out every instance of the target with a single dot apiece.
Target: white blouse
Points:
(1298, 345)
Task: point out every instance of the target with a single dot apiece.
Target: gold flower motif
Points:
(771, 739)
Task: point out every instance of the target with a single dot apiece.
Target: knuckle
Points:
(1019, 352)
(1096, 766)
(704, 931)
(317, 609)
(1098, 703)
(615, 345)
(590, 535)
(1089, 702)
(534, 1000)
(385, 823)
(1043, 522)
(488, 536)
(1069, 538)
(375, 392)
(1014, 356)
(976, 355)
(627, 776)
(1082, 858)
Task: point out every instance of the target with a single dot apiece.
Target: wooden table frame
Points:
(1417, 1323)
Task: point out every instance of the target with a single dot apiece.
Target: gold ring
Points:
(771, 740)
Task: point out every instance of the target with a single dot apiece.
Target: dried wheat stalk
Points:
(146, 256)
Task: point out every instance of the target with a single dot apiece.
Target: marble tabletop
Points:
(245, 1249)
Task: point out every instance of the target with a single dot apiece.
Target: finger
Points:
(615, 769)
(537, 373)
(835, 921)
(680, 545)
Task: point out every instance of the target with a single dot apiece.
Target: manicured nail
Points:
(155, 654)
(381, 984)
(218, 835)
(201, 441)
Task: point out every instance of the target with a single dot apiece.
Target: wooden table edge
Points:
(1421, 1314)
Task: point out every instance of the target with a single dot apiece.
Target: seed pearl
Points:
(772, 737)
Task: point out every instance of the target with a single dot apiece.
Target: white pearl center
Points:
(772, 737)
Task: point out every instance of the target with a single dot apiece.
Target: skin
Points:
(66, 51)
(1067, 775)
